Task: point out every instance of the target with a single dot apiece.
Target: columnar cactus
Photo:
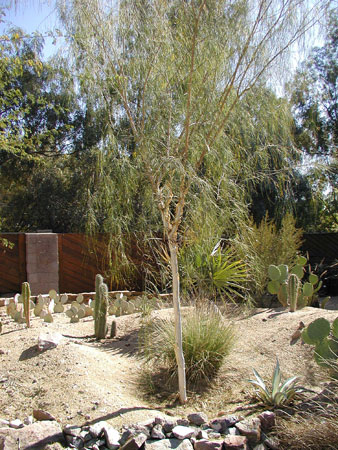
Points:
(98, 283)
(26, 297)
(101, 307)
(293, 290)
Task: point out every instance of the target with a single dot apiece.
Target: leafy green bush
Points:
(207, 340)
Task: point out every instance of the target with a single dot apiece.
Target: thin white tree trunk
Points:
(178, 323)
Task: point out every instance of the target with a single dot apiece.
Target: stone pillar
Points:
(42, 262)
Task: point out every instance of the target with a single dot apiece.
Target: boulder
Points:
(134, 442)
(165, 444)
(236, 443)
(181, 432)
(198, 418)
(205, 444)
(36, 435)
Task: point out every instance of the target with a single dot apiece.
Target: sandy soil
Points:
(83, 380)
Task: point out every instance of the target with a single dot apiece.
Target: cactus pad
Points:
(298, 270)
(273, 287)
(284, 271)
(318, 330)
(301, 261)
(313, 278)
(308, 289)
(335, 328)
(274, 272)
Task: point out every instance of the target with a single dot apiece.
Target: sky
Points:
(40, 15)
(32, 16)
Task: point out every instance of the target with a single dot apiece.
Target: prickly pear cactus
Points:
(324, 338)
(76, 312)
(59, 303)
(279, 284)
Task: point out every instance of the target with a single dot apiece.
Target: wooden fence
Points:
(80, 260)
(12, 262)
(321, 247)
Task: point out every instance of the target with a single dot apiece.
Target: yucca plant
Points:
(223, 272)
(280, 393)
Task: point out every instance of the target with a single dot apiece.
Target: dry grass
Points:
(317, 427)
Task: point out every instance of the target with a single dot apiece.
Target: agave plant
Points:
(280, 393)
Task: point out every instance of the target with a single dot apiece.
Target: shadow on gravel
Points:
(120, 412)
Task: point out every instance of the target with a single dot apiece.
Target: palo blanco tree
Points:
(173, 71)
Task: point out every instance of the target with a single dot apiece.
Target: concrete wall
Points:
(42, 262)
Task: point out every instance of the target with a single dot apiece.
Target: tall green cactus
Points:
(26, 296)
(293, 290)
(98, 282)
(101, 307)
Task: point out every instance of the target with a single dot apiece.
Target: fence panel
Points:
(12, 263)
(80, 259)
(321, 247)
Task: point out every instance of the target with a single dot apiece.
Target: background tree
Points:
(315, 100)
(178, 70)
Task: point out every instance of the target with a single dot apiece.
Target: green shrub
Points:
(207, 340)
(261, 245)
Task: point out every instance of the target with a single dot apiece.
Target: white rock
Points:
(182, 432)
(16, 423)
(48, 340)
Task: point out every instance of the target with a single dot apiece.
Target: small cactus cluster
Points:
(78, 310)
(59, 301)
(325, 339)
(17, 312)
(122, 306)
(45, 306)
(288, 285)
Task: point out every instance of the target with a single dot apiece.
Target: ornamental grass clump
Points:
(207, 340)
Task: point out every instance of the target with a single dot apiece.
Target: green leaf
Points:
(276, 379)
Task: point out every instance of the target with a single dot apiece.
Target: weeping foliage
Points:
(193, 126)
